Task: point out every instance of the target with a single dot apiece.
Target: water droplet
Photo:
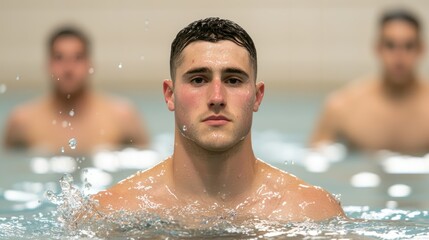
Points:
(17, 77)
(62, 149)
(120, 66)
(337, 197)
(3, 88)
(64, 124)
(71, 113)
(58, 79)
(184, 128)
(68, 96)
(146, 24)
(72, 143)
(52, 197)
(91, 70)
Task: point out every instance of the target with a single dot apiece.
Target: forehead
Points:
(400, 30)
(66, 43)
(211, 54)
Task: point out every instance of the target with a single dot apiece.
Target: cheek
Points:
(187, 102)
(55, 67)
(244, 101)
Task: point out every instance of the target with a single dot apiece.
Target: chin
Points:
(218, 144)
(69, 90)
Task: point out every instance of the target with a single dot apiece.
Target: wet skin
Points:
(213, 169)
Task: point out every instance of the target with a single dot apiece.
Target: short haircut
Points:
(69, 31)
(401, 14)
(211, 29)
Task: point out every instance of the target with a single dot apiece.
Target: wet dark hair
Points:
(401, 14)
(211, 29)
(69, 31)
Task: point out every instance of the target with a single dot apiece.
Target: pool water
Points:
(387, 192)
(26, 212)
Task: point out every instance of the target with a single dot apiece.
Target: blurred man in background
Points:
(389, 111)
(73, 118)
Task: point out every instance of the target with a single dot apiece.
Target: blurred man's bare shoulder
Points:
(30, 111)
(119, 106)
(355, 92)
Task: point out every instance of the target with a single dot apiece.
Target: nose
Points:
(217, 98)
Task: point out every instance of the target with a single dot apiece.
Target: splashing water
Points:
(73, 143)
(71, 113)
(76, 217)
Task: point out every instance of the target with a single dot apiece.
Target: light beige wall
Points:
(301, 44)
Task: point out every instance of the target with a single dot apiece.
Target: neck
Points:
(218, 175)
(66, 102)
(400, 91)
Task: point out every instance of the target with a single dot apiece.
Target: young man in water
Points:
(213, 170)
(388, 111)
(73, 109)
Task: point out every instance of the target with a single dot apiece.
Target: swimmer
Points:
(388, 111)
(73, 109)
(213, 93)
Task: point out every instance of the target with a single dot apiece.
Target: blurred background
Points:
(304, 47)
(305, 50)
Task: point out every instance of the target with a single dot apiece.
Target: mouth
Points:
(216, 120)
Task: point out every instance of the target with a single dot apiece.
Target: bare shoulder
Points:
(302, 200)
(23, 115)
(128, 193)
(121, 107)
(350, 94)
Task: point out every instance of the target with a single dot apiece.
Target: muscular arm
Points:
(134, 131)
(14, 137)
(327, 127)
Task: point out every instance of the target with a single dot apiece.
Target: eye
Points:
(410, 46)
(79, 57)
(389, 45)
(197, 81)
(58, 57)
(233, 81)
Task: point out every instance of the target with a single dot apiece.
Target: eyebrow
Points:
(197, 70)
(226, 70)
(236, 71)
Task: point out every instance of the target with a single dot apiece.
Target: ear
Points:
(168, 87)
(260, 90)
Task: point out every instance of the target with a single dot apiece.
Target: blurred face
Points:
(399, 50)
(214, 94)
(69, 65)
